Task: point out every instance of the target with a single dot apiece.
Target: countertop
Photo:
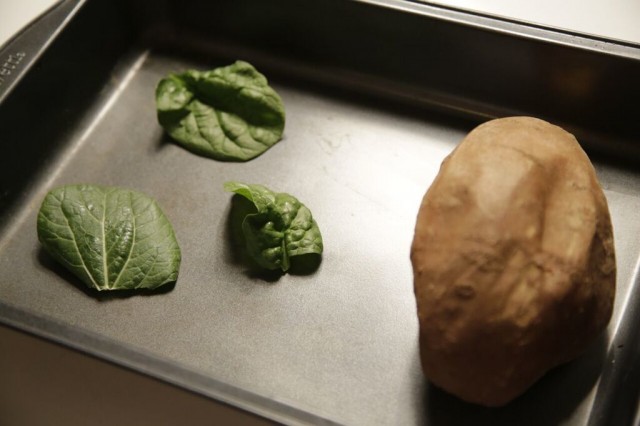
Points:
(15, 14)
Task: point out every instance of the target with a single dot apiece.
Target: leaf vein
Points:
(105, 269)
(133, 241)
(75, 243)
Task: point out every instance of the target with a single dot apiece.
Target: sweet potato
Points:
(513, 260)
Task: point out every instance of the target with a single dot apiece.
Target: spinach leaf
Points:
(110, 238)
(281, 228)
(229, 113)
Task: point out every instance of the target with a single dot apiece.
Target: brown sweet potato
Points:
(513, 260)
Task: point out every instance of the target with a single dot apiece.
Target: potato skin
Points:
(513, 260)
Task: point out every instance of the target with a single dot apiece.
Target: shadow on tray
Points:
(163, 141)
(551, 401)
(47, 262)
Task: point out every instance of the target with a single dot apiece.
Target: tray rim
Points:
(514, 27)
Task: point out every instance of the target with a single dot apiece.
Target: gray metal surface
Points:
(337, 345)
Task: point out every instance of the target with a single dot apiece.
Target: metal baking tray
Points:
(377, 93)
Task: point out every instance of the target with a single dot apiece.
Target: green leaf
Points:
(110, 238)
(281, 228)
(229, 113)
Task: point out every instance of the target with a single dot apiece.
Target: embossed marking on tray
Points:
(9, 65)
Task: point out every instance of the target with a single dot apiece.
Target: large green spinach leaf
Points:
(110, 238)
(281, 228)
(229, 113)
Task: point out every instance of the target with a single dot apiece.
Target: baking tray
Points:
(377, 93)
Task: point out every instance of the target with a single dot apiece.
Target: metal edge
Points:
(22, 51)
(513, 27)
(622, 370)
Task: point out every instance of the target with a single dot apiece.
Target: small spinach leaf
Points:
(229, 113)
(281, 228)
(110, 238)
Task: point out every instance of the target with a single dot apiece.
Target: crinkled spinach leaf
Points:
(229, 113)
(110, 238)
(281, 228)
